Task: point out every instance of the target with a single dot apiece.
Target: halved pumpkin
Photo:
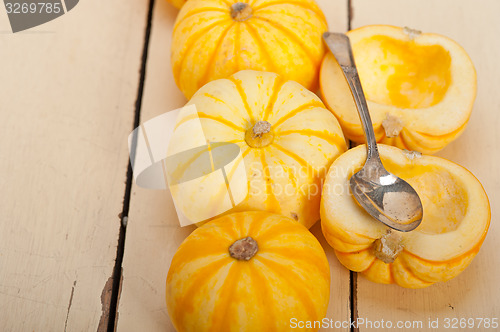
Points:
(455, 223)
(248, 271)
(420, 87)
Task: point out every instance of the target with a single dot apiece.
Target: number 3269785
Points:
(33, 7)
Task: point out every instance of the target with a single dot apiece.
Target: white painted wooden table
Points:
(70, 92)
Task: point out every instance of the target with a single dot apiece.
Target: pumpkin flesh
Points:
(443, 199)
(402, 73)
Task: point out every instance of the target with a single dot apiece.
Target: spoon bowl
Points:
(386, 197)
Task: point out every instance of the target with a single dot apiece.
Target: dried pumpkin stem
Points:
(388, 247)
(392, 125)
(261, 128)
(241, 11)
(412, 33)
(243, 249)
(260, 135)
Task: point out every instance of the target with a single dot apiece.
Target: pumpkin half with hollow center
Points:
(214, 39)
(420, 87)
(455, 223)
(248, 271)
(286, 136)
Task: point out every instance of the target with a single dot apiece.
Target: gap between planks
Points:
(353, 276)
(113, 286)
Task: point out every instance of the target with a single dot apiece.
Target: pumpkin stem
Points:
(388, 247)
(412, 154)
(392, 125)
(412, 33)
(261, 128)
(260, 135)
(241, 11)
(243, 249)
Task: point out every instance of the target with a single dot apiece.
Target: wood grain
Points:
(153, 231)
(68, 91)
(474, 293)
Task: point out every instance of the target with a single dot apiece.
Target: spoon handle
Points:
(340, 46)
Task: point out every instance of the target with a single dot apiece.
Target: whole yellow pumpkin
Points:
(455, 222)
(420, 87)
(249, 271)
(214, 39)
(287, 138)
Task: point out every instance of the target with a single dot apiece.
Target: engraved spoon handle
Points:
(340, 46)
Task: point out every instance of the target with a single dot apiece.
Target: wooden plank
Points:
(153, 231)
(336, 13)
(474, 293)
(68, 93)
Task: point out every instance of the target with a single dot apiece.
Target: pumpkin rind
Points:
(177, 3)
(278, 36)
(283, 177)
(455, 223)
(427, 128)
(288, 277)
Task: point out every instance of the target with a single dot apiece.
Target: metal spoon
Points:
(383, 195)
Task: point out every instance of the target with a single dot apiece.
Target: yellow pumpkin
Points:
(455, 223)
(286, 136)
(248, 271)
(177, 3)
(214, 39)
(420, 87)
